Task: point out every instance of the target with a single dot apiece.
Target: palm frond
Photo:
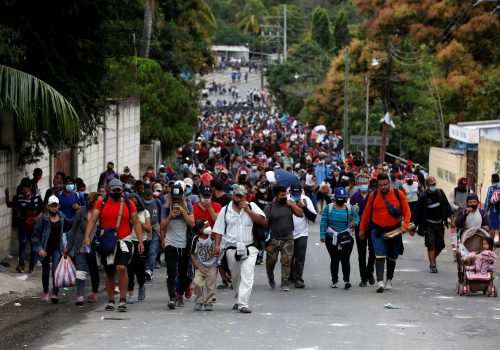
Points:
(30, 99)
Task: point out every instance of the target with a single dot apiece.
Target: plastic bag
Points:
(65, 275)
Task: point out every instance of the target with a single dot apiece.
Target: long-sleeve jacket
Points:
(42, 231)
(77, 233)
(462, 216)
(377, 213)
(419, 217)
(487, 205)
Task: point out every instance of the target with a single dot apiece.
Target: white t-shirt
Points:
(474, 219)
(301, 224)
(142, 216)
(411, 192)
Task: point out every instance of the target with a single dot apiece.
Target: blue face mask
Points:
(433, 188)
(296, 198)
(329, 177)
(363, 188)
(148, 201)
(70, 188)
(188, 190)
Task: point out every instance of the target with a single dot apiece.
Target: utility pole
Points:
(284, 33)
(346, 100)
(366, 118)
(261, 66)
(383, 146)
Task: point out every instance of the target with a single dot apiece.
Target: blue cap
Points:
(340, 192)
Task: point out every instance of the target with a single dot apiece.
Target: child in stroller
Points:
(475, 260)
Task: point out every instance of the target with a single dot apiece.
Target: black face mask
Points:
(282, 200)
(116, 195)
(462, 188)
(409, 182)
(474, 207)
(340, 201)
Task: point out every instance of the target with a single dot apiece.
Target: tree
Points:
(148, 24)
(341, 31)
(320, 28)
(252, 17)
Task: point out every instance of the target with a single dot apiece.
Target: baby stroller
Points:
(470, 240)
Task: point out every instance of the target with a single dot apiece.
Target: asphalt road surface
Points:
(430, 314)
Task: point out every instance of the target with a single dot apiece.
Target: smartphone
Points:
(176, 206)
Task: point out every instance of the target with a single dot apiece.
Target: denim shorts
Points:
(385, 247)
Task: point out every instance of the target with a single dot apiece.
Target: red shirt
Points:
(204, 214)
(109, 215)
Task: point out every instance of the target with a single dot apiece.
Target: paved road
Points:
(431, 315)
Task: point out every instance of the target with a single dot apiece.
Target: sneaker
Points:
(92, 297)
(32, 269)
(433, 269)
(180, 302)
(223, 285)
(122, 306)
(80, 300)
(197, 306)
(299, 284)
(259, 261)
(45, 297)
(149, 275)
(54, 299)
(362, 284)
(209, 307)
(284, 287)
(117, 290)
(388, 285)
(347, 285)
(130, 299)
(380, 286)
(171, 304)
(110, 306)
(20, 269)
(371, 280)
(157, 265)
(272, 283)
(235, 307)
(333, 285)
(188, 292)
(142, 293)
(245, 310)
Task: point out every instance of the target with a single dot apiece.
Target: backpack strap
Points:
(396, 193)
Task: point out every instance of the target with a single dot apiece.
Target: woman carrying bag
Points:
(337, 232)
(84, 256)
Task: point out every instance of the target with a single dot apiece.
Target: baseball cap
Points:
(206, 190)
(340, 192)
(189, 182)
(157, 187)
(296, 189)
(114, 184)
(264, 184)
(243, 172)
(53, 200)
(198, 225)
(241, 190)
(176, 191)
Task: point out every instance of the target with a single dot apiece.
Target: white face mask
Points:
(207, 230)
(262, 190)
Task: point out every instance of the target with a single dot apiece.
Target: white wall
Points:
(119, 143)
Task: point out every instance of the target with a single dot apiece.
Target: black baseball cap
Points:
(296, 189)
(206, 190)
(176, 191)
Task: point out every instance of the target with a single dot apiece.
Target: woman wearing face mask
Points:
(85, 259)
(411, 190)
(69, 200)
(137, 265)
(338, 218)
(48, 243)
(360, 199)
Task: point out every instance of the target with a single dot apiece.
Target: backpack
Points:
(495, 198)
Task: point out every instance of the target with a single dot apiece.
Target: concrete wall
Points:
(119, 143)
(488, 163)
(446, 165)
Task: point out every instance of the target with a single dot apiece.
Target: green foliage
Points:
(341, 31)
(230, 34)
(320, 28)
(169, 107)
(252, 17)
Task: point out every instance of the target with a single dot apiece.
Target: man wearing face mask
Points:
(219, 195)
(254, 174)
(153, 206)
(300, 234)
(205, 209)
(472, 216)
(395, 182)
(57, 186)
(264, 195)
(108, 175)
(279, 218)
(69, 199)
(431, 215)
(411, 190)
(458, 196)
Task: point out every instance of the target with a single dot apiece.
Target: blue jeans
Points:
(24, 235)
(153, 252)
(385, 247)
(88, 263)
(54, 257)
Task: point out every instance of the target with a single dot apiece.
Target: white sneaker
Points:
(380, 286)
(333, 285)
(388, 285)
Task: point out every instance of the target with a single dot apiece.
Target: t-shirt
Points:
(280, 221)
(142, 216)
(301, 224)
(109, 215)
(411, 192)
(200, 213)
(176, 229)
(223, 200)
(474, 219)
(202, 249)
(67, 200)
(54, 242)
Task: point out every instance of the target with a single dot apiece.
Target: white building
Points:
(227, 52)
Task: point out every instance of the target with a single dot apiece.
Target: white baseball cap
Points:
(53, 200)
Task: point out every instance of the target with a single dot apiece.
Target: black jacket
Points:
(419, 215)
